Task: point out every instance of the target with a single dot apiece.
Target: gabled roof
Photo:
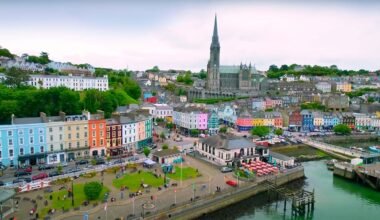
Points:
(228, 142)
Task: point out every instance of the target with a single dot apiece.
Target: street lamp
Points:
(72, 191)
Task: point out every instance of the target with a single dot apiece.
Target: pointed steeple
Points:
(215, 37)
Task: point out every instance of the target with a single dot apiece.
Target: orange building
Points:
(97, 134)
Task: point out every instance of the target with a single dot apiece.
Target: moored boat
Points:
(330, 164)
(375, 149)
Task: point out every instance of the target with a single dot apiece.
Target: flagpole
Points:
(181, 170)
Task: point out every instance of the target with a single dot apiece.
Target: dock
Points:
(368, 174)
(343, 153)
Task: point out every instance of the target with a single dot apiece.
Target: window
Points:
(41, 139)
(51, 147)
(10, 142)
(61, 146)
(11, 152)
(69, 145)
(77, 128)
(21, 151)
(31, 140)
(77, 135)
(30, 131)
(69, 128)
(60, 137)
(32, 150)
(10, 133)
(51, 137)
(20, 132)
(42, 149)
(41, 131)
(101, 126)
(69, 136)
(85, 143)
(93, 143)
(78, 144)
(60, 128)
(50, 129)
(101, 142)
(85, 134)
(101, 133)
(93, 134)
(93, 126)
(0, 154)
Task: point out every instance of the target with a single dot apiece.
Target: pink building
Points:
(268, 103)
(202, 120)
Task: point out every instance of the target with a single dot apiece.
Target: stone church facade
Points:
(226, 78)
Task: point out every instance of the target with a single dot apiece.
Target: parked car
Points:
(40, 176)
(226, 169)
(64, 164)
(81, 162)
(100, 161)
(118, 161)
(18, 181)
(73, 170)
(25, 168)
(231, 183)
(46, 167)
(1, 183)
(26, 179)
(21, 173)
(54, 173)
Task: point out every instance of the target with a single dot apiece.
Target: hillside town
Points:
(187, 145)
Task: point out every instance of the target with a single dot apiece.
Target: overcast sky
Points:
(172, 34)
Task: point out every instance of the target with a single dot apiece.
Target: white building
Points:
(324, 87)
(77, 83)
(62, 67)
(224, 149)
(162, 111)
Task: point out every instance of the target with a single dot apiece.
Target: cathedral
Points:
(226, 78)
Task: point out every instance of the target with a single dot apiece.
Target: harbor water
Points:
(336, 198)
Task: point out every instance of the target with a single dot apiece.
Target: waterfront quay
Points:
(369, 174)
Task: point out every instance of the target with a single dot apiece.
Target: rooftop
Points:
(167, 152)
(228, 142)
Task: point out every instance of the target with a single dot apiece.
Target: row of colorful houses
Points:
(246, 120)
(307, 120)
(56, 139)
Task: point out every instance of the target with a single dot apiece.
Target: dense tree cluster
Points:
(42, 59)
(155, 69)
(260, 131)
(313, 106)
(185, 78)
(201, 75)
(276, 72)
(361, 92)
(5, 53)
(342, 129)
(92, 190)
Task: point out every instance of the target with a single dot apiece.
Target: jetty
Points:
(342, 152)
(368, 174)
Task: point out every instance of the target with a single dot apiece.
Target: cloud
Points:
(139, 36)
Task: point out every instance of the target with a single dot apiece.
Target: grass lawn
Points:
(134, 180)
(187, 173)
(79, 198)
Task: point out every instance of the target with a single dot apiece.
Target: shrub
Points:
(92, 190)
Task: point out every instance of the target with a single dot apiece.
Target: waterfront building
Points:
(318, 120)
(225, 149)
(362, 121)
(114, 137)
(330, 120)
(168, 156)
(55, 137)
(295, 120)
(258, 119)
(189, 118)
(76, 136)
(324, 87)
(213, 122)
(375, 123)
(307, 120)
(227, 115)
(348, 119)
(268, 119)
(163, 111)
(244, 122)
(278, 120)
(97, 133)
(281, 160)
(77, 83)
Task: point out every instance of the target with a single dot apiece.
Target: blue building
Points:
(23, 142)
(212, 123)
(330, 120)
(307, 120)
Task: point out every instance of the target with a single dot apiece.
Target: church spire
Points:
(215, 37)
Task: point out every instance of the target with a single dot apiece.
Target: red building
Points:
(114, 137)
(152, 99)
(295, 121)
(97, 134)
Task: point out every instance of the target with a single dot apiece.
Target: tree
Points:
(370, 100)
(223, 129)
(16, 77)
(273, 68)
(278, 131)
(59, 169)
(146, 151)
(5, 53)
(194, 133)
(162, 136)
(342, 129)
(169, 126)
(92, 190)
(155, 69)
(202, 74)
(260, 131)
(165, 147)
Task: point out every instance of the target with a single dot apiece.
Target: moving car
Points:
(226, 169)
(54, 173)
(25, 168)
(40, 176)
(231, 183)
(81, 162)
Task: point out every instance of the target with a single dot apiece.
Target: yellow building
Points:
(76, 136)
(343, 87)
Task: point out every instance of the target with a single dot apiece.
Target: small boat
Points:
(375, 149)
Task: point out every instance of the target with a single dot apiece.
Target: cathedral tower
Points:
(213, 78)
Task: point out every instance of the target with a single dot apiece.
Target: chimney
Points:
(62, 115)
(12, 118)
(43, 117)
